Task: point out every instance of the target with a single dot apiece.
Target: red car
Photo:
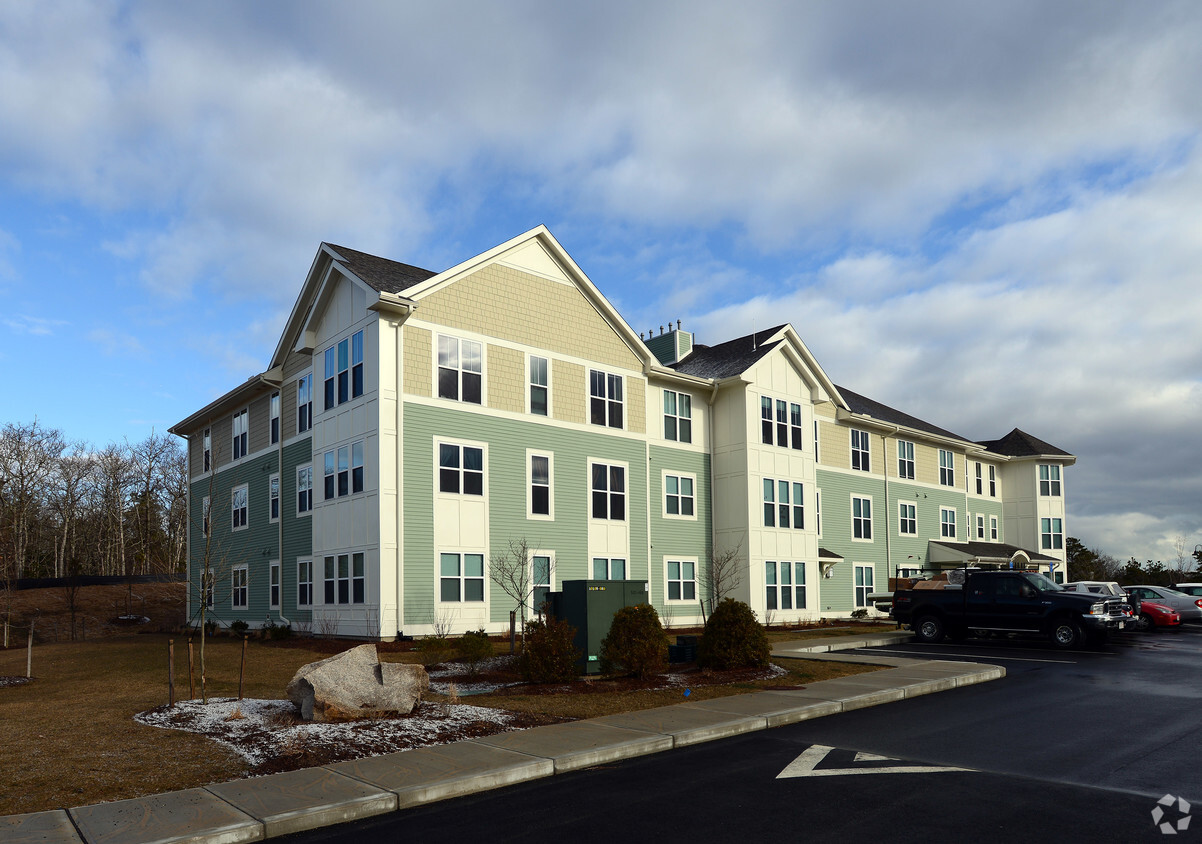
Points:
(1155, 615)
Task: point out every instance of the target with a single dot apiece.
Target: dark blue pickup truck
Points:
(1009, 602)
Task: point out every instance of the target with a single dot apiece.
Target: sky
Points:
(988, 215)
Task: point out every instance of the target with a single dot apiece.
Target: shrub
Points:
(433, 650)
(860, 613)
(549, 654)
(210, 627)
(733, 638)
(239, 626)
(636, 642)
(473, 647)
(277, 631)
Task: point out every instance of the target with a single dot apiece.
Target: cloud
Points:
(36, 326)
(115, 343)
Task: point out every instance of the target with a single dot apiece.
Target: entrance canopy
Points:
(985, 555)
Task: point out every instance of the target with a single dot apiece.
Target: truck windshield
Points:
(1043, 583)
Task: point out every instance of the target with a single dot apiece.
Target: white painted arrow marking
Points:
(806, 765)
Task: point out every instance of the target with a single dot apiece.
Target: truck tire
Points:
(1066, 633)
(929, 629)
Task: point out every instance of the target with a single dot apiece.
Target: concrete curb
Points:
(266, 807)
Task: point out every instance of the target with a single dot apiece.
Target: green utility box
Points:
(589, 606)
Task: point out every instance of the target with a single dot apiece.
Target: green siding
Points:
(678, 537)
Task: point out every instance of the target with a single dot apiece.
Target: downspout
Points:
(885, 473)
(280, 521)
(709, 436)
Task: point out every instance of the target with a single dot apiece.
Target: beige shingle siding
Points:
(222, 428)
(506, 386)
(568, 391)
(417, 361)
(288, 410)
(926, 464)
(636, 412)
(497, 301)
(834, 445)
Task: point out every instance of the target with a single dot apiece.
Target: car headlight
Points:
(1097, 609)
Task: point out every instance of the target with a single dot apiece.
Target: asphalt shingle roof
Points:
(868, 407)
(1021, 444)
(728, 359)
(992, 550)
(382, 274)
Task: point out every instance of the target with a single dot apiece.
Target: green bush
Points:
(473, 647)
(277, 631)
(636, 642)
(733, 638)
(239, 627)
(433, 650)
(549, 654)
(860, 613)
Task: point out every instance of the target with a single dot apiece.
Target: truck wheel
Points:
(1066, 634)
(929, 629)
(1142, 623)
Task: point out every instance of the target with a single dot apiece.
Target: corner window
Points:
(765, 420)
(816, 441)
(608, 492)
(207, 445)
(947, 467)
(460, 469)
(304, 583)
(861, 518)
(907, 518)
(540, 386)
(818, 511)
(678, 496)
(238, 587)
(1051, 534)
(304, 489)
(343, 471)
(678, 416)
(947, 522)
(771, 601)
(769, 502)
(273, 595)
(344, 581)
(356, 467)
(799, 586)
(304, 403)
(240, 429)
(795, 426)
(273, 485)
(344, 370)
(539, 501)
(611, 568)
(238, 505)
(461, 578)
(605, 398)
(460, 369)
(905, 460)
(275, 417)
(864, 584)
(1049, 479)
(682, 580)
(860, 457)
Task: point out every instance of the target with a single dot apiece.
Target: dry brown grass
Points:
(96, 611)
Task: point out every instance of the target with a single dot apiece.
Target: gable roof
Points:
(383, 275)
(1021, 444)
(867, 407)
(731, 358)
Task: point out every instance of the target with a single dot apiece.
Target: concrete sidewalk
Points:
(265, 807)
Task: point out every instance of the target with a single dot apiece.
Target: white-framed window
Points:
(273, 498)
(304, 489)
(329, 476)
(795, 426)
(273, 587)
(861, 518)
(980, 526)
(460, 369)
(799, 586)
(207, 446)
(206, 512)
(304, 403)
(605, 398)
(865, 577)
(993, 482)
(681, 580)
(608, 485)
(993, 528)
(344, 471)
(818, 511)
(241, 429)
(905, 459)
(679, 496)
(460, 469)
(771, 597)
(345, 579)
(785, 585)
(1051, 533)
(239, 506)
(861, 457)
(766, 420)
(356, 467)
(542, 579)
(460, 578)
(275, 417)
(1049, 479)
(816, 458)
(208, 580)
(304, 583)
(539, 500)
(238, 587)
(344, 370)
(979, 477)
(799, 510)
(947, 467)
(782, 423)
(769, 502)
(540, 386)
(609, 568)
(678, 416)
(947, 522)
(907, 518)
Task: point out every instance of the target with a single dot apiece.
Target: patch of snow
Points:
(139, 619)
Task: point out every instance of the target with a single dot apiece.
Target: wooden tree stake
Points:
(191, 684)
(29, 653)
(171, 672)
(242, 668)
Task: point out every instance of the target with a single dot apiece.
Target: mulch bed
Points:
(5, 682)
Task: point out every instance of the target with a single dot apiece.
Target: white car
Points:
(1194, 589)
(1189, 607)
(1102, 587)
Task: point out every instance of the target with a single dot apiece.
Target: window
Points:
(356, 467)
(815, 440)
(678, 495)
(240, 435)
(273, 596)
(344, 470)
(238, 505)
(947, 522)
(980, 480)
(238, 587)
(770, 600)
(541, 580)
(1049, 479)
(461, 578)
(799, 586)
(609, 492)
(783, 503)
(993, 528)
(540, 485)
(905, 460)
(344, 370)
(273, 485)
(207, 441)
(907, 518)
(766, 420)
(861, 518)
(818, 511)
(864, 583)
(1051, 533)
(539, 386)
(304, 489)
(304, 583)
(860, 458)
(782, 423)
(358, 579)
(799, 510)
(682, 580)
(208, 579)
(980, 527)
(609, 569)
(769, 502)
(345, 582)
(304, 403)
(795, 426)
(605, 398)
(460, 369)
(678, 416)
(786, 585)
(275, 417)
(947, 467)
(460, 469)
(992, 482)
(205, 513)
(329, 476)
(356, 364)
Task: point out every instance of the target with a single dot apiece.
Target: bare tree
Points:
(73, 469)
(1183, 560)
(113, 476)
(510, 571)
(722, 574)
(28, 456)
